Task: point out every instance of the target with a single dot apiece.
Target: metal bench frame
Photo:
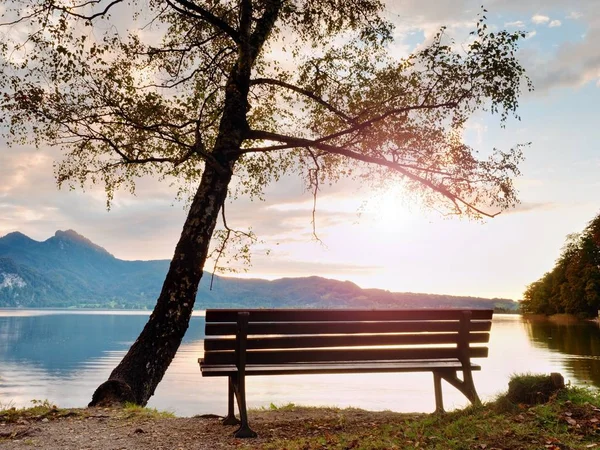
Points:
(242, 343)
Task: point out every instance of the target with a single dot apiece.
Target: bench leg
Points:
(470, 388)
(244, 430)
(466, 385)
(230, 419)
(437, 387)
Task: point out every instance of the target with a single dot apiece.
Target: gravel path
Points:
(112, 429)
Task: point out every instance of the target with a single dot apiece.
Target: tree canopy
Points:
(325, 98)
(228, 96)
(573, 285)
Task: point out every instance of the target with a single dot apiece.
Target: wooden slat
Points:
(328, 355)
(299, 328)
(281, 342)
(325, 368)
(332, 315)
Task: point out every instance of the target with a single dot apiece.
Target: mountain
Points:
(69, 270)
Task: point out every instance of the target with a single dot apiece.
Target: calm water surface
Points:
(63, 356)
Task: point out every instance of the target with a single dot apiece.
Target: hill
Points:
(68, 270)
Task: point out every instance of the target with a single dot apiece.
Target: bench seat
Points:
(339, 367)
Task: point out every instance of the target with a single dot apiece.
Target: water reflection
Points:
(63, 356)
(577, 342)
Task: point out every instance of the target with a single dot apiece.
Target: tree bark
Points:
(137, 375)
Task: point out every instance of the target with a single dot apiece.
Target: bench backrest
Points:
(268, 336)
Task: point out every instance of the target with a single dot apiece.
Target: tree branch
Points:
(220, 251)
(379, 118)
(203, 14)
(70, 12)
(23, 18)
(306, 93)
(314, 181)
(302, 142)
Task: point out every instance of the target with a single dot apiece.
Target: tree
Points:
(573, 285)
(205, 91)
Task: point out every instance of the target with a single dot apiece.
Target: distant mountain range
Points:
(68, 270)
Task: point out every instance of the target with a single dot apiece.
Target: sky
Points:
(382, 240)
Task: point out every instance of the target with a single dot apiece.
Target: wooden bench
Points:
(241, 343)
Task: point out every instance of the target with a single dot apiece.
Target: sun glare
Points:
(389, 209)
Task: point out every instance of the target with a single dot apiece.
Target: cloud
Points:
(549, 71)
(285, 265)
(526, 207)
(31, 203)
(147, 225)
(539, 19)
(573, 60)
(530, 34)
(574, 64)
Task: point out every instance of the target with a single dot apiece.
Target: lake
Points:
(62, 356)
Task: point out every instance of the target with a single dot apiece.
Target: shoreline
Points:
(570, 419)
(560, 318)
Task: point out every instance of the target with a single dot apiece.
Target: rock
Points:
(534, 389)
(558, 380)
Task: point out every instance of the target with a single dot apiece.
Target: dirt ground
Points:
(110, 429)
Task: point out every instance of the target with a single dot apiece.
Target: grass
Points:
(41, 409)
(569, 420)
(131, 410)
(286, 407)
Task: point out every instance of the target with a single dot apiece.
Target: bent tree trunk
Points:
(137, 375)
(142, 368)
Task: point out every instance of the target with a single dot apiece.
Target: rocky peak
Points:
(17, 238)
(72, 237)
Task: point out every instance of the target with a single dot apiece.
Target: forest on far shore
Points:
(573, 285)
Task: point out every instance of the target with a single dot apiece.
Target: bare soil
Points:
(114, 429)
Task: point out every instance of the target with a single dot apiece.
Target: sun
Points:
(389, 209)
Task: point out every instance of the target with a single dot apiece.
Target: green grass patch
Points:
(131, 410)
(570, 419)
(290, 407)
(41, 409)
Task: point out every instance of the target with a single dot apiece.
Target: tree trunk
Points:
(137, 375)
(144, 365)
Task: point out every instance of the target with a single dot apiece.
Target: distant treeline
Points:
(573, 286)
